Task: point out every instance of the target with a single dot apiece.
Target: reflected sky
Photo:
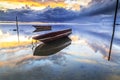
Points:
(85, 58)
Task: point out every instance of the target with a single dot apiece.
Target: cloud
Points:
(100, 7)
(59, 14)
(40, 4)
(48, 14)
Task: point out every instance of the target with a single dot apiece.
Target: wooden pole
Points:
(114, 25)
(17, 29)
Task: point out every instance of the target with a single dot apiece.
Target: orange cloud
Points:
(41, 4)
(32, 3)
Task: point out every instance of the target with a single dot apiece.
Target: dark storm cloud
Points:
(100, 7)
(48, 14)
(22, 14)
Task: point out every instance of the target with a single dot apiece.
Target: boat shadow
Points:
(46, 49)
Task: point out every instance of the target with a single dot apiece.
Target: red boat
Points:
(53, 35)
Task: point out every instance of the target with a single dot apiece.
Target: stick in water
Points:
(114, 25)
(17, 29)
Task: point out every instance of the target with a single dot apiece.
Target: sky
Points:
(54, 10)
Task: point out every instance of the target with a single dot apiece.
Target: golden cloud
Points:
(31, 3)
(40, 4)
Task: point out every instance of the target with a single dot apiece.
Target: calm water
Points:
(84, 59)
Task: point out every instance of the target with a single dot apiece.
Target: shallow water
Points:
(84, 59)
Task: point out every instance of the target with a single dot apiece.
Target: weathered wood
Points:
(53, 35)
(41, 28)
(46, 49)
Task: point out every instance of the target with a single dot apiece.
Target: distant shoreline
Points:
(37, 23)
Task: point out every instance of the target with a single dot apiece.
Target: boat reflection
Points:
(53, 47)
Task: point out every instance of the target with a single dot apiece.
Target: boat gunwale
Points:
(67, 33)
(52, 34)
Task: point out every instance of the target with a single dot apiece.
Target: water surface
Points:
(84, 59)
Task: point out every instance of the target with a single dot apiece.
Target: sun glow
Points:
(8, 40)
(13, 43)
(38, 5)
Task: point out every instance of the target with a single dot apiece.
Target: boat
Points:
(41, 28)
(46, 49)
(53, 35)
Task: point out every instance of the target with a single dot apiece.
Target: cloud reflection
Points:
(19, 62)
(9, 40)
(81, 60)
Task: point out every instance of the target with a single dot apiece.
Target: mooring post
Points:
(114, 25)
(17, 29)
